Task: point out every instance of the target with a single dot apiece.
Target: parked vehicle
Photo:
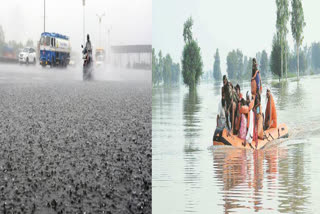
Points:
(27, 55)
(54, 49)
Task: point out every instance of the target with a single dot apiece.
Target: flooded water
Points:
(189, 175)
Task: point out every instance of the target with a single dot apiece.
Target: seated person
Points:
(271, 113)
(221, 117)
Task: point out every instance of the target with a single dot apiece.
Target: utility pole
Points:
(44, 21)
(100, 18)
(84, 40)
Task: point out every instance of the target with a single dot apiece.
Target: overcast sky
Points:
(229, 24)
(130, 20)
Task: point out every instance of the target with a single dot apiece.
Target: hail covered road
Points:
(68, 146)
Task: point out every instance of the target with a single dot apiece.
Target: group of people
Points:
(243, 116)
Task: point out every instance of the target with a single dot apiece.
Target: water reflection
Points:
(281, 92)
(248, 179)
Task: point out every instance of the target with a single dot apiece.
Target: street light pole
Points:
(44, 21)
(84, 41)
(100, 18)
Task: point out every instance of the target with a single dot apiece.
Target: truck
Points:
(54, 49)
(100, 56)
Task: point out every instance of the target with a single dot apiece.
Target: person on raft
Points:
(231, 99)
(221, 117)
(271, 113)
(256, 86)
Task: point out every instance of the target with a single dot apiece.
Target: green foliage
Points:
(167, 70)
(275, 63)
(154, 68)
(187, 30)
(315, 55)
(235, 64)
(191, 57)
(216, 66)
(164, 70)
(293, 62)
(297, 25)
(281, 25)
(264, 63)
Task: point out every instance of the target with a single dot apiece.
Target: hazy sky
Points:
(130, 20)
(230, 24)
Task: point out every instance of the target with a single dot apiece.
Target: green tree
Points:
(167, 64)
(160, 67)
(282, 30)
(216, 66)
(154, 68)
(302, 62)
(175, 69)
(297, 25)
(264, 63)
(315, 55)
(235, 64)
(275, 61)
(191, 57)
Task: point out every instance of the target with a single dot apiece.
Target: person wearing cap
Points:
(231, 99)
(271, 113)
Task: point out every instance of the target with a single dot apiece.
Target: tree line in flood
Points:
(281, 62)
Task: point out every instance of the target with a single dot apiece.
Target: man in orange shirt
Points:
(271, 113)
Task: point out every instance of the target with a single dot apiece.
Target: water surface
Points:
(189, 175)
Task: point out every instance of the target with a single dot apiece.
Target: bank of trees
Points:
(280, 47)
(164, 70)
(239, 66)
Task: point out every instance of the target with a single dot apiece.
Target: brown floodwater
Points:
(190, 175)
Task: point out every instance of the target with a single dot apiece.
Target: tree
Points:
(2, 38)
(191, 57)
(264, 63)
(315, 55)
(160, 67)
(275, 62)
(154, 68)
(297, 25)
(216, 66)
(235, 64)
(175, 69)
(302, 62)
(281, 25)
(167, 70)
(29, 43)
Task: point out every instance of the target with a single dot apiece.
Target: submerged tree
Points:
(281, 25)
(297, 25)
(275, 61)
(264, 63)
(216, 66)
(154, 68)
(191, 57)
(235, 64)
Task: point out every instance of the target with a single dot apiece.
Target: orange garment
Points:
(271, 113)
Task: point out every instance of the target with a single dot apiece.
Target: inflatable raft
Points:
(224, 137)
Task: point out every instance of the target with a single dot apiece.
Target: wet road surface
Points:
(68, 146)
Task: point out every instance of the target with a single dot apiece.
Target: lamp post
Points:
(100, 18)
(44, 16)
(84, 40)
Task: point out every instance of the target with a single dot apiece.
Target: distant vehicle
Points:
(100, 56)
(27, 55)
(54, 49)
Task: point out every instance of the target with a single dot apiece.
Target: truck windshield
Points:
(42, 40)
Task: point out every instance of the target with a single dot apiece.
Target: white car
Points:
(27, 55)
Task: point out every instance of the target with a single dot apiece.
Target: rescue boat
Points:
(224, 137)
